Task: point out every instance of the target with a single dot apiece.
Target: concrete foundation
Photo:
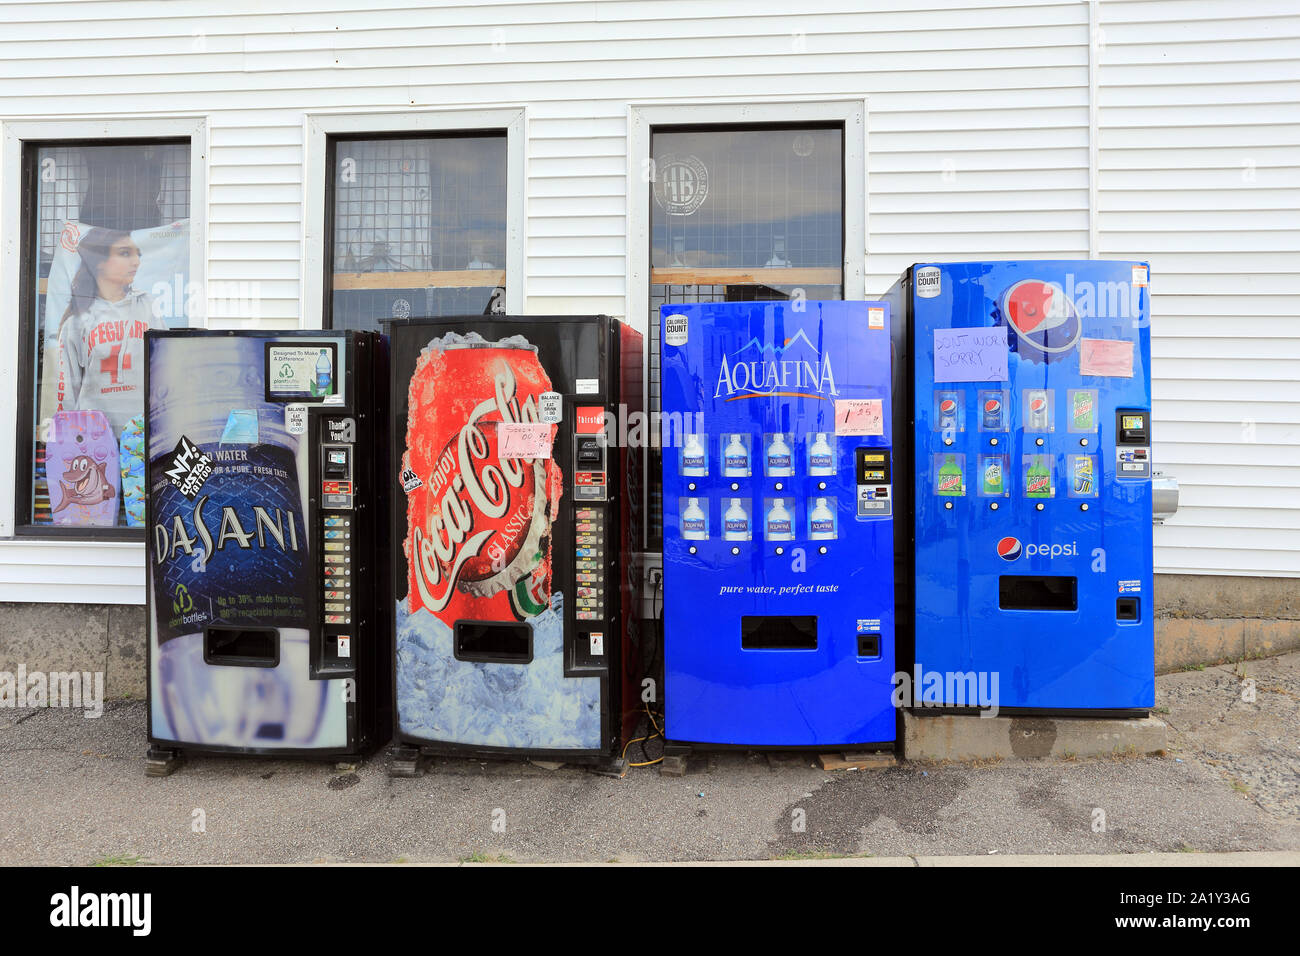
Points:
(997, 738)
(1199, 619)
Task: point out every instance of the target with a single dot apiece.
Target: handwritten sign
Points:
(859, 416)
(1109, 357)
(970, 355)
(524, 440)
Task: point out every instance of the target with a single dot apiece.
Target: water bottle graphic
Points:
(780, 525)
(695, 460)
(736, 522)
(695, 523)
(228, 546)
(821, 521)
(780, 461)
(324, 383)
(735, 458)
(821, 457)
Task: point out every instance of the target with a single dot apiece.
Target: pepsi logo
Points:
(1009, 549)
(992, 406)
(947, 406)
(1045, 321)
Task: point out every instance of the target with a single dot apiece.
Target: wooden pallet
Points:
(856, 761)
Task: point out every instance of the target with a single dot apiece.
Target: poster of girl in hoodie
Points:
(101, 332)
(104, 288)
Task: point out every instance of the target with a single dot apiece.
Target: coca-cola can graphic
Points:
(480, 550)
(478, 526)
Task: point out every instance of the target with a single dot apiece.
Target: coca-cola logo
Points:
(480, 518)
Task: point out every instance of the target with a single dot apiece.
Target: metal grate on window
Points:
(419, 228)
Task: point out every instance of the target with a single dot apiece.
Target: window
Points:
(417, 227)
(742, 214)
(105, 256)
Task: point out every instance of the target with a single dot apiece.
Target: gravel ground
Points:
(75, 792)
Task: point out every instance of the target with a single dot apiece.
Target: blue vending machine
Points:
(778, 524)
(1030, 418)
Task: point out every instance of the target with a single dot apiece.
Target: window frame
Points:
(21, 140)
(323, 130)
(644, 118)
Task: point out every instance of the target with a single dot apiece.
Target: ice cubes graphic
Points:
(527, 706)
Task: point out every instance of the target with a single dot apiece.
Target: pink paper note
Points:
(1109, 357)
(524, 440)
(859, 416)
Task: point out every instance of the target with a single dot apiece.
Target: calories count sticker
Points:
(675, 330)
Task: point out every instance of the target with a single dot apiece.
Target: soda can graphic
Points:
(992, 411)
(478, 538)
(949, 407)
(992, 476)
(1083, 410)
(1082, 471)
(1038, 406)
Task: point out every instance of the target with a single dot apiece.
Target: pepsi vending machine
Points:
(778, 524)
(1030, 417)
(264, 462)
(515, 630)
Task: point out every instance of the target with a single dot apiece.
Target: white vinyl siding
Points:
(1199, 172)
(995, 129)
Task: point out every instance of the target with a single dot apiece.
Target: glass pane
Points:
(419, 229)
(741, 216)
(767, 199)
(111, 260)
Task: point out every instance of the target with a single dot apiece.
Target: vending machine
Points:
(778, 524)
(1029, 412)
(515, 630)
(266, 635)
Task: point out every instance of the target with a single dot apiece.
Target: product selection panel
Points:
(593, 550)
(338, 495)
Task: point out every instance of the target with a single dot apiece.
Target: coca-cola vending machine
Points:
(267, 634)
(515, 631)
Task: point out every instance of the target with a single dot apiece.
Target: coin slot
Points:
(868, 645)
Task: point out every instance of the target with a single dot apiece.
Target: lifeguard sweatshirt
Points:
(101, 358)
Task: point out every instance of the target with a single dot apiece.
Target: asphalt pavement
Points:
(75, 792)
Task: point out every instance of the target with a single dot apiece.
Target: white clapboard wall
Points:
(1160, 130)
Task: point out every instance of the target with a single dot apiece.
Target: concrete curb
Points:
(1277, 858)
